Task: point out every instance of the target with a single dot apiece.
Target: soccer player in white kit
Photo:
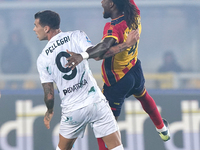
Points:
(82, 101)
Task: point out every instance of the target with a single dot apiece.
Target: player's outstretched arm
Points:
(92, 52)
(49, 101)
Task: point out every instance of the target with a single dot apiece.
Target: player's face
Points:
(39, 30)
(106, 7)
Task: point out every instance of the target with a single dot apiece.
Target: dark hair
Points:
(130, 12)
(49, 18)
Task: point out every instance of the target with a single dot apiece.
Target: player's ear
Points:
(46, 29)
(111, 4)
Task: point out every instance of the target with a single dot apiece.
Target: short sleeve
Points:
(83, 40)
(44, 71)
(110, 31)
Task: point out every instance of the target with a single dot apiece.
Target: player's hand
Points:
(47, 119)
(97, 58)
(133, 37)
(73, 60)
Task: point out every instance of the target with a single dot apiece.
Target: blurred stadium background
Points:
(167, 25)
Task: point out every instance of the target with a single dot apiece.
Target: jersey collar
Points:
(117, 20)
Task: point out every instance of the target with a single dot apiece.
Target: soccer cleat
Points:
(165, 135)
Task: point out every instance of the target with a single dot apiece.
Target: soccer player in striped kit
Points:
(121, 69)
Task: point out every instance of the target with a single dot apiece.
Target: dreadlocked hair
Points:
(130, 12)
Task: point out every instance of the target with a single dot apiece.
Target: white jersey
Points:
(77, 88)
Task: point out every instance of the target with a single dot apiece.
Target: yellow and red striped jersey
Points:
(115, 67)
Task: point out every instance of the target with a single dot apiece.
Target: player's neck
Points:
(52, 33)
(116, 14)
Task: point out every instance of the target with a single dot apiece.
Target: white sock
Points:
(120, 147)
(58, 148)
(162, 129)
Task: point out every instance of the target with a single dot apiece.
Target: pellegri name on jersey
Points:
(57, 44)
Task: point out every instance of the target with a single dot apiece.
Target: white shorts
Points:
(98, 115)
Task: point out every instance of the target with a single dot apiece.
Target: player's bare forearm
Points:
(101, 48)
(49, 96)
(97, 51)
(114, 50)
(93, 52)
